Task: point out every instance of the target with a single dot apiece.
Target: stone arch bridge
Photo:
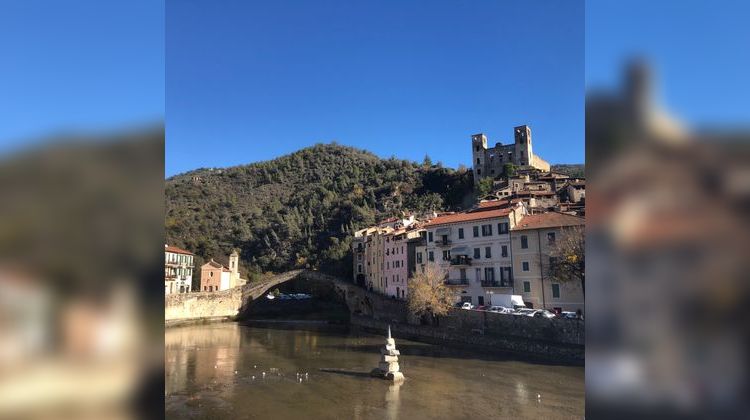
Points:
(233, 303)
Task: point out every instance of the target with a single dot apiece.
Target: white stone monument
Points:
(388, 367)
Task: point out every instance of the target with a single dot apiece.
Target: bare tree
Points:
(568, 262)
(428, 294)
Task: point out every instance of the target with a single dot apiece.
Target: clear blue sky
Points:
(79, 65)
(700, 51)
(253, 80)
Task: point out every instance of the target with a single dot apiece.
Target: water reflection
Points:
(392, 401)
(228, 370)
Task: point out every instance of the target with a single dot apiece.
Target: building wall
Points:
(395, 259)
(178, 270)
(210, 278)
(541, 287)
(470, 287)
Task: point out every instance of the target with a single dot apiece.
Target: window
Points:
(480, 300)
(460, 233)
(489, 274)
(359, 268)
(462, 273)
(431, 256)
(477, 253)
(524, 242)
(551, 238)
(502, 228)
(419, 258)
(486, 230)
(525, 265)
(526, 287)
(446, 255)
(444, 239)
(478, 161)
(429, 236)
(552, 261)
(476, 231)
(555, 290)
(479, 172)
(504, 250)
(487, 252)
(478, 273)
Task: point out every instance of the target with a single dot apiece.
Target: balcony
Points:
(457, 282)
(461, 260)
(495, 283)
(443, 242)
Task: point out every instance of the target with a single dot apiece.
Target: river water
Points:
(227, 370)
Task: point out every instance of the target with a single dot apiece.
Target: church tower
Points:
(234, 269)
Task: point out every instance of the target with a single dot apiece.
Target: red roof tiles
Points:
(466, 217)
(170, 248)
(548, 220)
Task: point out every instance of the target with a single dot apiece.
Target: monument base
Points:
(390, 376)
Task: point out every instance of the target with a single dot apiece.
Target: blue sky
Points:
(249, 81)
(700, 51)
(79, 65)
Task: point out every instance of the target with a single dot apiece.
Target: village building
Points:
(178, 270)
(217, 277)
(473, 248)
(532, 241)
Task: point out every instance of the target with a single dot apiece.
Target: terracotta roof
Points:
(548, 220)
(496, 204)
(214, 264)
(466, 217)
(169, 248)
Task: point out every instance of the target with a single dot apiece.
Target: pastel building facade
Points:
(178, 270)
(532, 241)
(473, 248)
(217, 277)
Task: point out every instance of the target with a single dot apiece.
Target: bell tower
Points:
(234, 274)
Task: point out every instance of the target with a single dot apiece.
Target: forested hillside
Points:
(575, 170)
(301, 209)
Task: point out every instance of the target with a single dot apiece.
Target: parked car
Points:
(568, 315)
(525, 312)
(543, 313)
(500, 309)
(459, 304)
(482, 308)
(467, 305)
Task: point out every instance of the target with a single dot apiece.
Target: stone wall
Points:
(202, 306)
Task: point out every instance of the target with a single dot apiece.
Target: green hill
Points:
(301, 209)
(575, 170)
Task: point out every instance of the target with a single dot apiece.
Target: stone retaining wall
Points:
(202, 305)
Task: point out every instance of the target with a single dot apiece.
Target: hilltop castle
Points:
(488, 162)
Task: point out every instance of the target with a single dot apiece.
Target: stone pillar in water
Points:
(388, 367)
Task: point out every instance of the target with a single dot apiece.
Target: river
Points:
(227, 370)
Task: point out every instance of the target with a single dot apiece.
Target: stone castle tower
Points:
(489, 161)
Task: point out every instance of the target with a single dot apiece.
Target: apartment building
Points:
(395, 258)
(531, 241)
(474, 250)
(178, 270)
